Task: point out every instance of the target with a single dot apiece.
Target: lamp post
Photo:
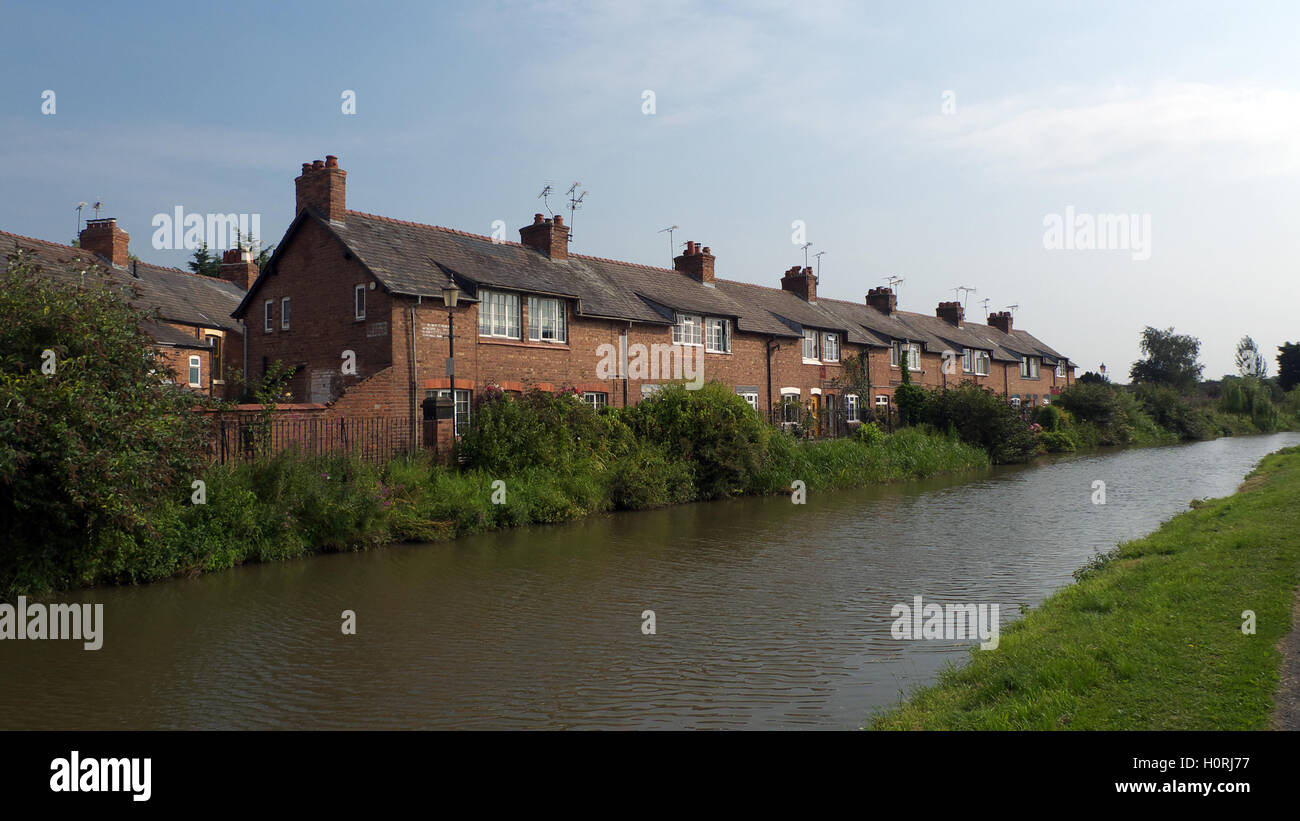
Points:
(450, 296)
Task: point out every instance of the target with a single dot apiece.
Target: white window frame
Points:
(359, 302)
(830, 352)
(284, 313)
(752, 398)
(547, 320)
(688, 330)
(882, 400)
(983, 363)
(788, 401)
(596, 399)
(722, 344)
(967, 360)
(498, 314)
(1030, 367)
(1015, 401)
(268, 316)
(1060, 369)
(810, 335)
(196, 366)
(851, 407)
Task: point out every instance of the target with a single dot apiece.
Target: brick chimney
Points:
(104, 238)
(696, 262)
(883, 300)
(801, 282)
(323, 186)
(239, 267)
(1001, 320)
(549, 236)
(951, 312)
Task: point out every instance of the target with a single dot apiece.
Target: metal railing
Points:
(250, 439)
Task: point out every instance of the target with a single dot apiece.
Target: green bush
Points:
(983, 419)
(1049, 417)
(712, 428)
(1059, 442)
(869, 433)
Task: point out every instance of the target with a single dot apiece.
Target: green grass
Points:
(1149, 638)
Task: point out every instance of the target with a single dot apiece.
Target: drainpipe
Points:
(244, 327)
(771, 417)
(411, 333)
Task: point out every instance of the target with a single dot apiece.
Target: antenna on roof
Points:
(672, 249)
(1012, 308)
(894, 282)
(80, 206)
(805, 247)
(986, 302)
(574, 204)
(545, 197)
(966, 296)
(818, 255)
(98, 205)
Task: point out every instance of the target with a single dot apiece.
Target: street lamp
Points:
(450, 295)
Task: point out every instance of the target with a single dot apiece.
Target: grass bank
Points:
(1150, 638)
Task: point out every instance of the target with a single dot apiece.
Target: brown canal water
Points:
(768, 614)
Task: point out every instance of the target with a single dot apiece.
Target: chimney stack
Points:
(104, 238)
(883, 300)
(696, 262)
(549, 236)
(323, 186)
(801, 282)
(239, 267)
(1001, 320)
(951, 312)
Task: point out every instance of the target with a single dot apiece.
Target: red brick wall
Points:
(318, 277)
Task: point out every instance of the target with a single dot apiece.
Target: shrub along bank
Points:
(542, 458)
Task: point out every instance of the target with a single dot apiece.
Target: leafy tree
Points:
(1091, 378)
(1288, 365)
(205, 263)
(1249, 359)
(92, 437)
(1170, 359)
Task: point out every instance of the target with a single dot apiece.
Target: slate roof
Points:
(410, 258)
(179, 296)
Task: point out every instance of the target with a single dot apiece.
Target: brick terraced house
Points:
(354, 303)
(193, 329)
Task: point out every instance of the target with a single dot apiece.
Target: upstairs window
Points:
(809, 343)
(717, 335)
(268, 318)
(196, 372)
(498, 314)
(284, 314)
(830, 347)
(689, 330)
(1060, 369)
(976, 362)
(913, 351)
(1029, 366)
(546, 320)
(359, 302)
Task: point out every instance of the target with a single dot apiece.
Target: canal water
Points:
(767, 614)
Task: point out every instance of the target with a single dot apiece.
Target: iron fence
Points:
(251, 439)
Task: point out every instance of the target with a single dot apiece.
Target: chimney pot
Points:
(317, 163)
(306, 167)
(104, 238)
(537, 219)
(801, 282)
(323, 188)
(696, 262)
(331, 161)
(546, 235)
(707, 251)
(559, 219)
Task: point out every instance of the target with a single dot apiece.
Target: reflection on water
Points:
(768, 614)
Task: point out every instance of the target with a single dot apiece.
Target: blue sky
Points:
(765, 113)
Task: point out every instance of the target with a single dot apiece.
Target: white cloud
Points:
(1208, 132)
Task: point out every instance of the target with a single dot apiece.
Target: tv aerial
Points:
(894, 282)
(965, 296)
(818, 255)
(1012, 308)
(575, 202)
(672, 249)
(805, 248)
(545, 197)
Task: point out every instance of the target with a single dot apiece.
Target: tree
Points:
(1170, 359)
(1092, 378)
(1288, 365)
(92, 438)
(204, 263)
(909, 398)
(1249, 359)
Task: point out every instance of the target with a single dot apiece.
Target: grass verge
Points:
(1150, 638)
